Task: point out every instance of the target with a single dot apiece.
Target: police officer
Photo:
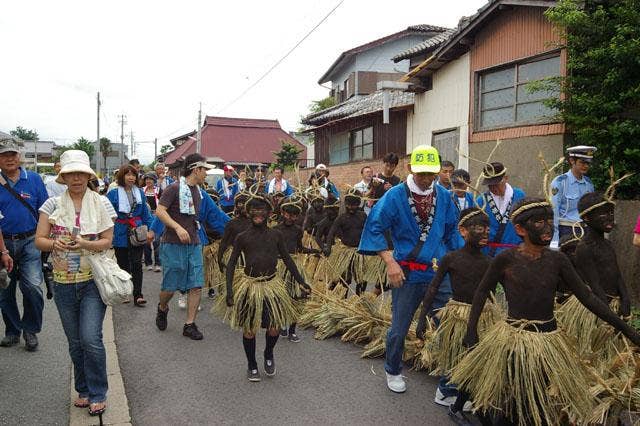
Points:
(567, 190)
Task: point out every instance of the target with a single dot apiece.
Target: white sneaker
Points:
(440, 399)
(157, 268)
(396, 383)
(150, 268)
(182, 301)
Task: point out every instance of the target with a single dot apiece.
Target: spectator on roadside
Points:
(21, 195)
(71, 226)
(444, 177)
(636, 234)
(135, 163)
(364, 187)
(242, 178)
(279, 183)
(151, 250)
(6, 262)
(130, 203)
(54, 188)
(385, 180)
(163, 179)
(227, 188)
(322, 173)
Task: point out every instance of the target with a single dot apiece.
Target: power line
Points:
(280, 60)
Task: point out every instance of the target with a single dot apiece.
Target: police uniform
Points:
(566, 191)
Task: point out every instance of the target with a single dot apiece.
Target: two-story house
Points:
(352, 134)
(474, 90)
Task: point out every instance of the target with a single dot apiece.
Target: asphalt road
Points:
(34, 386)
(171, 380)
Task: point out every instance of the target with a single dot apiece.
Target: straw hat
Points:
(75, 160)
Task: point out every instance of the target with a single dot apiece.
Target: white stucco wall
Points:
(444, 107)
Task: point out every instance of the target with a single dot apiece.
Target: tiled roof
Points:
(357, 106)
(238, 141)
(428, 44)
(344, 56)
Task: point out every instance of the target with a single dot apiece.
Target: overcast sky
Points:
(155, 61)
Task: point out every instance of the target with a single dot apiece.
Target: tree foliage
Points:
(322, 104)
(105, 148)
(165, 148)
(287, 157)
(24, 134)
(602, 87)
(83, 144)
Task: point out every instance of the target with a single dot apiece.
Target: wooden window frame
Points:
(352, 146)
(477, 127)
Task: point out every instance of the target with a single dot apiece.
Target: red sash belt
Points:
(501, 245)
(131, 221)
(414, 266)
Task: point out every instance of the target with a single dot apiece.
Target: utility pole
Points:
(123, 121)
(98, 156)
(132, 147)
(155, 149)
(35, 155)
(199, 140)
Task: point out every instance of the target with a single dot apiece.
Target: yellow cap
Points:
(425, 159)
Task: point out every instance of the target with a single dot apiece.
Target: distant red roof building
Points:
(237, 141)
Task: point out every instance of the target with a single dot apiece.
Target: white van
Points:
(213, 176)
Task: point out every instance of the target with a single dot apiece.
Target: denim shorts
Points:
(181, 266)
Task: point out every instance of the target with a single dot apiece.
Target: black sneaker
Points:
(269, 367)
(191, 331)
(211, 294)
(293, 337)
(253, 375)
(9, 341)
(161, 318)
(284, 332)
(30, 341)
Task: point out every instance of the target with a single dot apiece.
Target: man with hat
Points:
(227, 187)
(567, 189)
(420, 218)
(498, 203)
(21, 195)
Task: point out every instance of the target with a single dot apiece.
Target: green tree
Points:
(85, 145)
(601, 106)
(322, 104)
(105, 149)
(287, 157)
(24, 134)
(165, 148)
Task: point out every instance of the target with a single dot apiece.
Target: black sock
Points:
(271, 343)
(250, 351)
(292, 328)
(460, 400)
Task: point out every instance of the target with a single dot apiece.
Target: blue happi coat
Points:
(470, 202)
(509, 236)
(393, 213)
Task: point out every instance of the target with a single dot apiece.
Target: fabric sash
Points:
(424, 225)
(502, 219)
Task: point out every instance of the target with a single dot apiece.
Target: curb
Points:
(117, 404)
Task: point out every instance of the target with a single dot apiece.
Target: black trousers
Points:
(130, 259)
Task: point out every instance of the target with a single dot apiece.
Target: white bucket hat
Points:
(75, 160)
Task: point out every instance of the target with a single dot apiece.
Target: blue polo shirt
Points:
(17, 218)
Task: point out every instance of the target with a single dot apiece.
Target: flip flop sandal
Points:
(140, 302)
(81, 404)
(98, 411)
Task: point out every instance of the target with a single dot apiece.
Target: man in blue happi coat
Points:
(421, 219)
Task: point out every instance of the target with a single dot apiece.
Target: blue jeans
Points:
(82, 312)
(28, 272)
(404, 303)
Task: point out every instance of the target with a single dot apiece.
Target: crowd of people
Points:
(260, 247)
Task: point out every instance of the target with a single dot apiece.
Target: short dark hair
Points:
(122, 172)
(278, 168)
(391, 158)
(528, 214)
(590, 199)
(446, 163)
(134, 161)
(460, 174)
(190, 159)
(365, 167)
(477, 219)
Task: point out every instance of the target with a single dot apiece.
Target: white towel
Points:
(123, 200)
(414, 188)
(185, 199)
(272, 186)
(94, 217)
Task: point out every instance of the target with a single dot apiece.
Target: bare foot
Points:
(97, 408)
(81, 402)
